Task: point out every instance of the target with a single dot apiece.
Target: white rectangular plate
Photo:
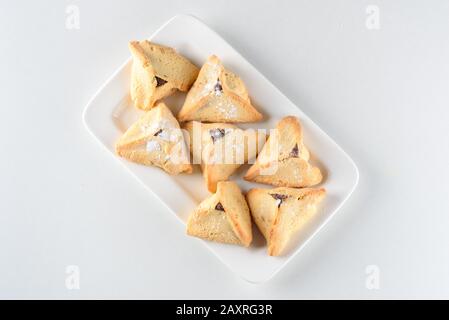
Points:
(110, 112)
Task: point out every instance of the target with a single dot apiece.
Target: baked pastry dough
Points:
(157, 72)
(221, 148)
(218, 95)
(156, 139)
(280, 212)
(284, 160)
(223, 217)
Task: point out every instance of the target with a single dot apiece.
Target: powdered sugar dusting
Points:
(211, 79)
(206, 90)
(153, 145)
(229, 111)
(296, 174)
(152, 128)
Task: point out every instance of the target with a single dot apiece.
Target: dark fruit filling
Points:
(295, 152)
(216, 134)
(218, 87)
(280, 197)
(160, 81)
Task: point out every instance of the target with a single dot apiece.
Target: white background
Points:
(383, 95)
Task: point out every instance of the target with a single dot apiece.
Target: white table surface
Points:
(382, 94)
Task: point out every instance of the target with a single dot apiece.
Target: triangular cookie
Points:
(218, 95)
(221, 148)
(280, 212)
(157, 72)
(284, 160)
(156, 139)
(223, 217)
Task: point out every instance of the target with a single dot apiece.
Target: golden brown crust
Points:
(218, 95)
(221, 157)
(222, 217)
(156, 140)
(284, 160)
(280, 212)
(236, 208)
(153, 63)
